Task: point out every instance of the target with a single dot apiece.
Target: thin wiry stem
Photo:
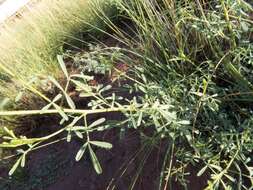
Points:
(71, 111)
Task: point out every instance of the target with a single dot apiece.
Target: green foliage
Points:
(197, 56)
(100, 103)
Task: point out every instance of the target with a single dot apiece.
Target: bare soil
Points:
(131, 163)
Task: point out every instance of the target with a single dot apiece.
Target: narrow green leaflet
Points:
(102, 144)
(62, 64)
(95, 161)
(58, 97)
(70, 101)
(69, 136)
(133, 121)
(97, 122)
(62, 121)
(15, 166)
(144, 78)
(139, 119)
(230, 178)
(79, 128)
(142, 89)
(184, 122)
(79, 134)
(108, 87)
(23, 157)
(81, 151)
(61, 112)
(9, 132)
(216, 167)
(85, 95)
(55, 82)
(202, 171)
(75, 120)
(45, 108)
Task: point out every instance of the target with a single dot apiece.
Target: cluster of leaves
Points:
(96, 60)
(199, 55)
(138, 110)
(80, 82)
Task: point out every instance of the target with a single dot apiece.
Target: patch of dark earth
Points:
(131, 163)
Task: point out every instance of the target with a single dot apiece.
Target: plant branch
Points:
(72, 111)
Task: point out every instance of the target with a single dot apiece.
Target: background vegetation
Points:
(29, 45)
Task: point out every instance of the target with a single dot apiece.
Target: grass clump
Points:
(188, 79)
(197, 53)
(30, 43)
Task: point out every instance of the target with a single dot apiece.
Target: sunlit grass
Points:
(29, 44)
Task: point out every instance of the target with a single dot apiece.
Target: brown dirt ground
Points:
(121, 165)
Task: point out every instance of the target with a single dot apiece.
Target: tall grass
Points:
(29, 44)
(200, 54)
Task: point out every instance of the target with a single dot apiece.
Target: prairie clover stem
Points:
(72, 111)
